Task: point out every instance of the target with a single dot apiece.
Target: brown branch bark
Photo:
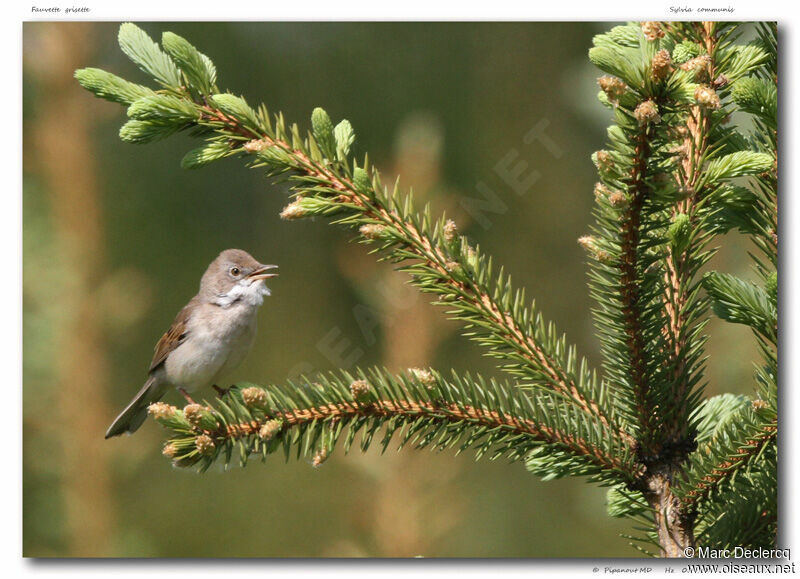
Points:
(630, 223)
(674, 524)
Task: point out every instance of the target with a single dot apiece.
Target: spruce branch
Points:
(421, 408)
(745, 453)
(731, 479)
(745, 512)
(684, 309)
(732, 430)
(642, 316)
(630, 223)
(741, 302)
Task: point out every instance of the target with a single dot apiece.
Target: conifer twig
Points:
(421, 406)
(412, 410)
(680, 266)
(725, 469)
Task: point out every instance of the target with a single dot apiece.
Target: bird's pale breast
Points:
(218, 340)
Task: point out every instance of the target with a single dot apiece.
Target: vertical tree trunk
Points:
(674, 527)
(62, 148)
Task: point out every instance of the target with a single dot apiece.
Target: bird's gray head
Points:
(234, 276)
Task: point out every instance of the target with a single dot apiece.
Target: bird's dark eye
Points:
(235, 271)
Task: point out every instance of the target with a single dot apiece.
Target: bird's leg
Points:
(221, 391)
(186, 395)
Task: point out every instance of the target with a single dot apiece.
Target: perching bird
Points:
(209, 337)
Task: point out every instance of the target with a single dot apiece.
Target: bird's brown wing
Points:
(174, 337)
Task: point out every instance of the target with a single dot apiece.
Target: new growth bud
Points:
(344, 136)
(361, 180)
(270, 428)
(161, 410)
(699, 66)
(425, 377)
(601, 191)
(293, 210)
(661, 66)
(603, 161)
(168, 415)
(589, 243)
(372, 230)
(322, 128)
(647, 113)
(190, 411)
(319, 457)
(449, 230)
(472, 258)
(360, 389)
(254, 396)
(685, 51)
(199, 416)
(255, 145)
(652, 30)
(613, 87)
(169, 450)
(707, 97)
(204, 445)
(618, 199)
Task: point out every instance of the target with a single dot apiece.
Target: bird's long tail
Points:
(130, 419)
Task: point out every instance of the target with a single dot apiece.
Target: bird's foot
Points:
(189, 399)
(221, 391)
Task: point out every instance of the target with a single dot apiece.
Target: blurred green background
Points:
(116, 237)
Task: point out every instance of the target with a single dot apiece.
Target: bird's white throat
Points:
(247, 292)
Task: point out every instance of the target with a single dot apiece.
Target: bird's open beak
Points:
(263, 272)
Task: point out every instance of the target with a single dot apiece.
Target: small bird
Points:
(210, 336)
